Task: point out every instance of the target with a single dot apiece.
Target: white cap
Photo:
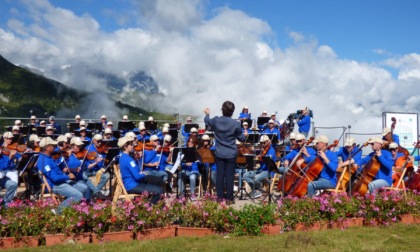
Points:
(141, 123)
(108, 131)
(52, 118)
(386, 131)
(34, 138)
(271, 121)
(300, 136)
(82, 128)
(42, 122)
(349, 142)
(166, 125)
(150, 118)
(154, 137)
(131, 135)
(322, 139)
(292, 136)
(109, 123)
(142, 127)
(264, 112)
(62, 138)
(193, 129)
(82, 123)
(245, 123)
(123, 140)
(97, 137)
(165, 130)
(205, 137)
(274, 113)
(245, 107)
(125, 117)
(49, 127)
(68, 135)
(15, 128)
(264, 138)
(375, 140)
(167, 138)
(47, 141)
(393, 145)
(8, 134)
(103, 117)
(17, 122)
(76, 141)
(33, 117)
(77, 117)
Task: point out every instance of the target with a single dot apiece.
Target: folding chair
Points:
(119, 191)
(400, 186)
(340, 187)
(55, 197)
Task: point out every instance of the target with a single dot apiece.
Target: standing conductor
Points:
(226, 131)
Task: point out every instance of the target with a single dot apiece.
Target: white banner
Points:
(406, 127)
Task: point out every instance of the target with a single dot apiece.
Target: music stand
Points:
(18, 138)
(189, 155)
(116, 134)
(40, 130)
(126, 126)
(173, 126)
(110, 143)
(26, 163)
(95, 127)
(150, 125)
(187, 127)
(252, 138)
(263, 120)
(206, 156)
(243, 164)
(112, 158)
(88, 133)
(249, 121)
(273, 138)
(72, 126)
(272, 167)
(31, 129)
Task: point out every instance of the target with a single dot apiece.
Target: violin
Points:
(165, 149)
(144, 146)
(17, 147)
(102, 149)
(81, 154)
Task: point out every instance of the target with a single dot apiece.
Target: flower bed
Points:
(27, 219)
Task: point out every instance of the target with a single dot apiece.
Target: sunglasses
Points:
(393, 149)
(155, 140)
(299, 141)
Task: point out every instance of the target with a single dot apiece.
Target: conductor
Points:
(226, 131)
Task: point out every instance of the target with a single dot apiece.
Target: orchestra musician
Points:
(43, 123)
(95, 163)
(152, 159)
(244, 114)
(49, 131)
(384, 175)
(276, 122)
(12, 159)
(56, 126)
(245, 127)
(103, 122)
(226, 132)
(254, 178)
(289, 146)
(327, 178)
(349, 150)
(60, 183)
(388, 135)
(393, 148)
(33, 144)
(306, 152)
(165, 164)
(134, 180)
(190, 170)
(83, 134)
(209, 168)
(143, 136)
(108, 135)
(33, 121)
(109, 125)
(304, 122)
(8, 165)
(77, 119)
(263, 114)
(271, 129)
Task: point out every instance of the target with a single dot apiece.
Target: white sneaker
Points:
(256, 194)
(105, 192)
(235, 188)
(193, 197)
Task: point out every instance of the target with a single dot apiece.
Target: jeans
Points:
(213, 177)
(283, 170)
(11, 189)
(253, 178)
(101, 184)
(150, 184)
(305, 134)
(156, 173)
(225, 176)
(376, 184)
(193, 180)
(72, 191)
(318, 184)
(241, 172)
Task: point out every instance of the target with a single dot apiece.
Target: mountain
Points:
(22, 91)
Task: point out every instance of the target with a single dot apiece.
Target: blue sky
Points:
(354, 59)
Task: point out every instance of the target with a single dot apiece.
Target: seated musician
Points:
(349, 150)
(207, 168)
(125, 118)
(63, 149)
(163, 133)
(7, 165)
(109, 125)
(272, 130)
(153, 132)
(83, 135)
(152, 159)
(108, 135)
(263, 114)
(43, 123)
(56, 126)
(304, 122)
(13, 159)
(327, 179)
(292, 138)
(94, 165)
(384, 175)
(245, 127)
(393, 148)
(77, 119)
(165, 161)
(306, 152)
(143, 136)
(49, 131)
(33, 121)
(244, 114)
(103, 122)
(387, 137)
(254, 178)
(193, 133)
(60, 183)
(78, 166)
(33, 144)
(18, 123)
(277, 124)
(189, 170)
(16, 131)
(184, 133)
(134, 180)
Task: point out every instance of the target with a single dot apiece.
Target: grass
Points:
(397, 237)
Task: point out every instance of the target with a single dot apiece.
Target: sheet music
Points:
(177, 162)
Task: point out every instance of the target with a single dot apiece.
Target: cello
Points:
(352, 168)
(400, 164)
(390, 138)
(293, 171)
(366, 176)
(310, 173)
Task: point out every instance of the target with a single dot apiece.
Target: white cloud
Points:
(202, 62)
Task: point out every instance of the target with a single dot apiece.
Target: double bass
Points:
(310, 173)
(390, 138)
